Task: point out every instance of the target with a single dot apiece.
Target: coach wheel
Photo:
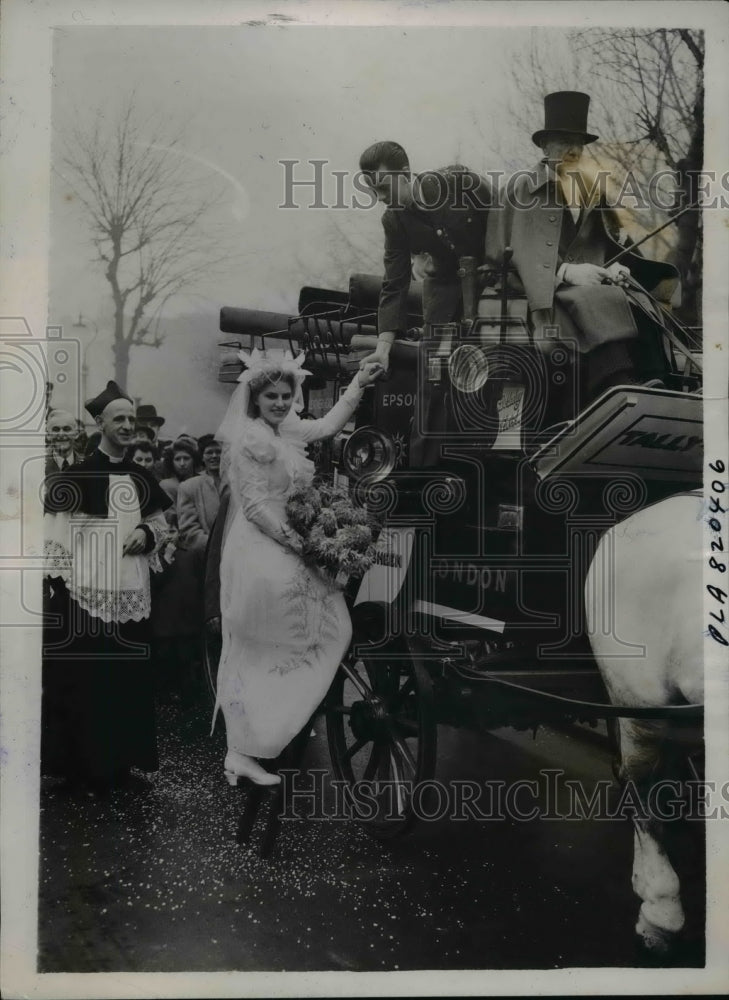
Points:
(382, 739)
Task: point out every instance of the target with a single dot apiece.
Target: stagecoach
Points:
(472, 613)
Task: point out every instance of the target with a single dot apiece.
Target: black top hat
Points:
(99, 403)
(147, 414)
(565, 111)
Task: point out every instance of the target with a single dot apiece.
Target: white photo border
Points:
(26, 100)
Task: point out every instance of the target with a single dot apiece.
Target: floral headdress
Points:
(258, 363)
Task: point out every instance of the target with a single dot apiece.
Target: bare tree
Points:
(659, 75)
(150, 225)
(647, 107)
(343, 250)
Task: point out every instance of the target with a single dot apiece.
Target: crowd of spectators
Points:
(187, 469)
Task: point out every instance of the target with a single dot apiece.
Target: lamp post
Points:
(81, 325)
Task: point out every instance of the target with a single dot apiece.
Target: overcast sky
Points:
(248, 97)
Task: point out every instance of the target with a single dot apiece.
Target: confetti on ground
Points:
(149, 877)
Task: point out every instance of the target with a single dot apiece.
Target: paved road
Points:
(151, 878)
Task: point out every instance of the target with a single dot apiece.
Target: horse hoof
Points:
(656, 940)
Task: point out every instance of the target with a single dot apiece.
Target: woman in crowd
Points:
(177, 600)
(285, 628)
(142, 453)
(179, 465)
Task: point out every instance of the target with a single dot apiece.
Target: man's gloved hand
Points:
(619, 274)
(585, 274)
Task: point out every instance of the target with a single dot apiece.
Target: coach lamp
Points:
(370, 453)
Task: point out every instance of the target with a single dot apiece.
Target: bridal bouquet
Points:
(338, 537)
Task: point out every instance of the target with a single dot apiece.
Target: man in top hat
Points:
(430, 221)
(104, 523)
(581, 308)
(564, 235)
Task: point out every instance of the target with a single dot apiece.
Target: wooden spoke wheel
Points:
(382, 739)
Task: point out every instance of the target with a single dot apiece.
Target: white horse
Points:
(644, 620)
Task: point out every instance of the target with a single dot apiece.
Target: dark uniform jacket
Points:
(454, 227)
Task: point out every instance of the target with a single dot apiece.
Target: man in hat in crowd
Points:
(430, 221)
(146, 416)
(563, 234)
(148, 423)
(104, 523)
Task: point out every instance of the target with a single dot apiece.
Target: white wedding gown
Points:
(285, 629)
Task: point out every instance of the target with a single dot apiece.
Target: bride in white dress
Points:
(285, 629)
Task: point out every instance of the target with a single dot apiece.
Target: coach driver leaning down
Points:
(430, 220)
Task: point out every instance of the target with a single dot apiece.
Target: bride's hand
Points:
(370, 373)
(292, 540)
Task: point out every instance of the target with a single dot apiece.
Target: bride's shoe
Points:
(239, 766)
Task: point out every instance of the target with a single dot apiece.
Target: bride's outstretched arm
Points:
(332, 422)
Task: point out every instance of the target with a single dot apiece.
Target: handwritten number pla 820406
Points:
(719, 595)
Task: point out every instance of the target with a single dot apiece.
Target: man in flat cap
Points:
(564, 235)
(104, 523)
(431, 220)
